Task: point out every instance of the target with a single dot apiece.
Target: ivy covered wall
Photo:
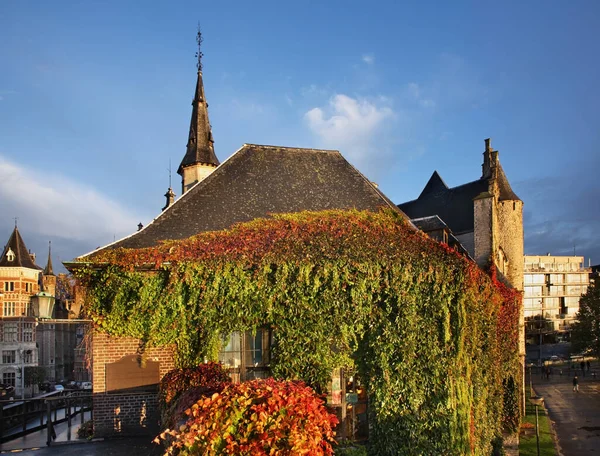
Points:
(434, 338)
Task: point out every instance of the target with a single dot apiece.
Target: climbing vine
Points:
(433, 336)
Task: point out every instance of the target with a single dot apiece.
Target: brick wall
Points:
(127, 414)
(124, 413)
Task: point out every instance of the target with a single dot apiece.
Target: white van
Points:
(86, 385)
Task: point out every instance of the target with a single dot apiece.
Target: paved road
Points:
(575, 416)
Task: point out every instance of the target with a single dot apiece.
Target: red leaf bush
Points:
(260, 417)
(179, 389)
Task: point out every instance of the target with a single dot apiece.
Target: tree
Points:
(34, 375)
(585, 334)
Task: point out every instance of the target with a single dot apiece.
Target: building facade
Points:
(553, 286)
(19, 281)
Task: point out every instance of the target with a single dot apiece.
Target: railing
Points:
(22, 417)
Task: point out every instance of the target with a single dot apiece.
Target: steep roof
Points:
(48, 270)
(257, 181)
(200, 149)
(453, 205)
(22, 259)
(504, 189)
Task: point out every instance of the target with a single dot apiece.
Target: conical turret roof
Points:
(48, 271)
(15, 254)
(200, 149)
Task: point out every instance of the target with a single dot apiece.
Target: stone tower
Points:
(498, 222)
(200, 159)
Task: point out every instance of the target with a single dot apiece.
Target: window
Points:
(9, 356)
(28, 356)
(28, 332)
(10, 255)
(10, 332)
(9, 286)
(8, 378)
(9, 309)
(28, 287)
(247, 353)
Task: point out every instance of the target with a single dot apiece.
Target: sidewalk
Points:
(132, 446)
(575, 416)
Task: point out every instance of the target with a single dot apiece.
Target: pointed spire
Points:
(16, 254)
(48, 271)
(200, 149)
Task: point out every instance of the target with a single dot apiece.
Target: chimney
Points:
(32, 256)
(490, 161)
(170, 195)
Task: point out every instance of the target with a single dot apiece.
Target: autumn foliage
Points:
(434, 337)
(179, 389)
(260, 417)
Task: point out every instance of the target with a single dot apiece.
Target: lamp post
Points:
(23, 353)
(537, 401)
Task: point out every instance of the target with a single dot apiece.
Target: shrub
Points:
(179, 389)
(86, 430)
(259, 417)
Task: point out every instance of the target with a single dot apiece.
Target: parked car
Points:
(6, 391)
(86, 385)
(59, 388)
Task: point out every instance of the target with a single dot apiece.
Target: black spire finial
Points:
(169, 173)
(199, 53)
(16, 218)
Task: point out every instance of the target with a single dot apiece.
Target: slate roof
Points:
(453, 205)
(22, 257)
(48, 270)
(200, 148)
(430, 223)
(259, 180)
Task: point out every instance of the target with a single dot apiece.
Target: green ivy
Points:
(426, 329)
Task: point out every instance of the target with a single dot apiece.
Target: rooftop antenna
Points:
(169, 173)
(199, 53)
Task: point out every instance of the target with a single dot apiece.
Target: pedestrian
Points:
(588, 364)
(575, 384)
(582, 364)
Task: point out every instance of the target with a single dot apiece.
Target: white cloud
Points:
(351, 125)
(369, 59)
(51, 206)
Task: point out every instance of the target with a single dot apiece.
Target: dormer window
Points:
(10, 255)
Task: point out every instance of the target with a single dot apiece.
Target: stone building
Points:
(25, 340)
(553, 286)
(19, 281)
(485, 216)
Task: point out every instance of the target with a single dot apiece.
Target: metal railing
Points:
(22, 417)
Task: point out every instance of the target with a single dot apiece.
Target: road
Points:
(575, 416)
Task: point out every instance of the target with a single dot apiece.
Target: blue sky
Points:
(95, 100)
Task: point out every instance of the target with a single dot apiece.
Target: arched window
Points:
(10, 255)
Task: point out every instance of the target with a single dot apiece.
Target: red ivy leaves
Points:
(260, 417)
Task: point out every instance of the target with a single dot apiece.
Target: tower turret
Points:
(200, 159)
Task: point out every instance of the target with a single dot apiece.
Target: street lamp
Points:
(43, 305)
(538, 401)
(23, 353)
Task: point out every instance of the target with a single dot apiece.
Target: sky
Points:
(95, 104)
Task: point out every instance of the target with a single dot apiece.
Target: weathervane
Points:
(199, 53)
(169, 173)
(16, 218)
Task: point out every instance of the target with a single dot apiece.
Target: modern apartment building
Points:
(553, 286)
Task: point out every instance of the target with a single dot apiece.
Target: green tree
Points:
(34, 375)
(585, 334)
